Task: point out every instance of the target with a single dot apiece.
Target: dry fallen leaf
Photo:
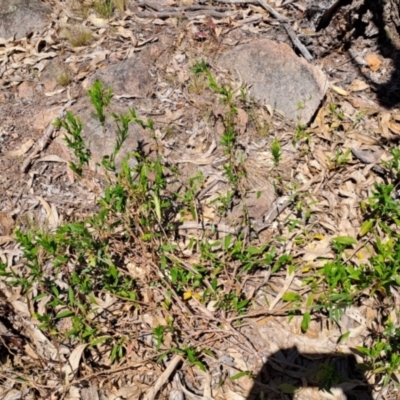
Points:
(52, 158)
(22, 150)
(384, 124)
(6, 224)
(339, 90)
(374, 62)
(395, 128)
(357, 85)
(72, 365)
(51, 211)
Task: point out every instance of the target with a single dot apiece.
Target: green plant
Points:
(333, 108)
(100, 97)
(393, 165)
(104, 8)
(358, 118)
(341, 158)
(75, 142)
(193, 356)
(301, 133)
(327, 376)
(122, 123)
(158, 333)
(383, 357)
(276, 151)
(200, 67)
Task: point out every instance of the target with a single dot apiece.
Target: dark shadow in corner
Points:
(388, 42)
(288, 370)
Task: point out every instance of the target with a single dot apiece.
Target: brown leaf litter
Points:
(39, 188)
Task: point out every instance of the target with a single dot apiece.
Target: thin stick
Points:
(45, 139)
(291, 33)
(296, 41)
(163, 378)
(191, 14)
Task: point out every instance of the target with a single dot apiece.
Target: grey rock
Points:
(131, 78)
(101, 140)
(20, 17)
(278, 77)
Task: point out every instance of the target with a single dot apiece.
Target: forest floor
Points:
(165, 235)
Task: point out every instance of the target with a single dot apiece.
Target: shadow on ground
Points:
(289, 371)
(385, 17)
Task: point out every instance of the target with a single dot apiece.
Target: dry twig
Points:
(163, 378)
(293, 37)
(189, 11)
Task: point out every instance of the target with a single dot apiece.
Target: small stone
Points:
(26, 91)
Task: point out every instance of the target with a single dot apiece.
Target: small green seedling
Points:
(100, 97)
(75, 142)
(276, 151)
(200, 67)
(341, 158)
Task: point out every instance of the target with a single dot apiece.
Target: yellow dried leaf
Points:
(187, 295)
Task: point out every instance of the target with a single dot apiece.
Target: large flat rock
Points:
(20, 17)
(278, 77)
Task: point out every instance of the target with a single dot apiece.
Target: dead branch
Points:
(163, 378)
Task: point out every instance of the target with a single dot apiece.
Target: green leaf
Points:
(291, 296)
(157, 206)
(306, 321)
(227, 242)
(343, 337)
(345, 240)
(99, 340)
(64, 314)
(363, 350)
(254, 250)
(71, 296)
(239, 375)
(366, 227)
(310, 300)
(287, 388)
